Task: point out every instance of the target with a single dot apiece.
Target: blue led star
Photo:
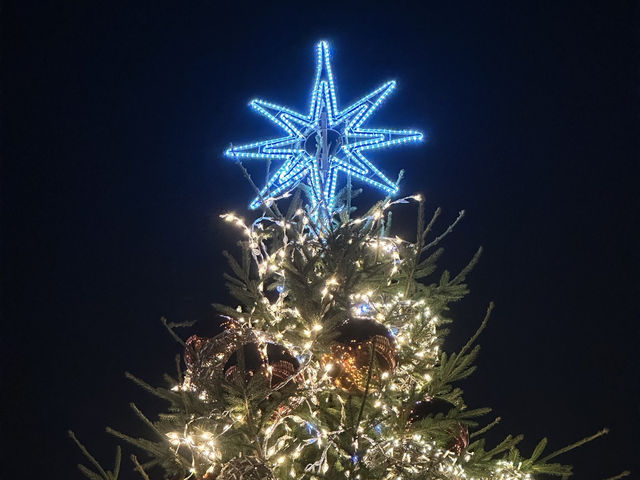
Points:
(323, 143)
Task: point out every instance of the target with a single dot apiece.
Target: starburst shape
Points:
(327, 141)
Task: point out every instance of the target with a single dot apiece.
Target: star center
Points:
(314, 142)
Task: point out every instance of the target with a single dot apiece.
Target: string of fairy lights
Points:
(289, 435)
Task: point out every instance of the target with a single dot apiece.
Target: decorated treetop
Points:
(331, 364)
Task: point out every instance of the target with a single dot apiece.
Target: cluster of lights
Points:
(204, 444)
(201, 445)
(320, 168)
(505, 470)
(350, 375)
(297, 429)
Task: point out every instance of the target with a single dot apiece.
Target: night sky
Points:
(114, 118)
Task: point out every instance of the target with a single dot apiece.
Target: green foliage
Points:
(99, 473)
(296, 281)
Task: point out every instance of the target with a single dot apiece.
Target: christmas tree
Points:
(331, 365)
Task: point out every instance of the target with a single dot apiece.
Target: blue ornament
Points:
(318, 146)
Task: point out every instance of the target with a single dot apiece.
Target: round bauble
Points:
(273, 361)
(245, 468)
(434, 406)
(351, 355)
(205, 357)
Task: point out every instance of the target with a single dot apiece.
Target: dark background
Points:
(115, 115)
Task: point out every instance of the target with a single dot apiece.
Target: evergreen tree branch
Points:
(264, 205)
(430, 225)
(148, 422)
(602, 432)
(178, 361)
(157, 392)
(90, 474)
(507, 444)
(460, 277)
(139, 468)
(626, 473)
(415, 258)
(102, 473)
(89, 457)
(485, 429)
(157, 449)
(449, 229)
(482, 326)
(172, 325)
(116, 464)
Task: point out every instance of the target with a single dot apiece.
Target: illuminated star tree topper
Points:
(318, 146)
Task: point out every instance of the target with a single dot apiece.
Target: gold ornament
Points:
(351, 356)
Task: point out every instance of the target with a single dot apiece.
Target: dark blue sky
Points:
(114, 119)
